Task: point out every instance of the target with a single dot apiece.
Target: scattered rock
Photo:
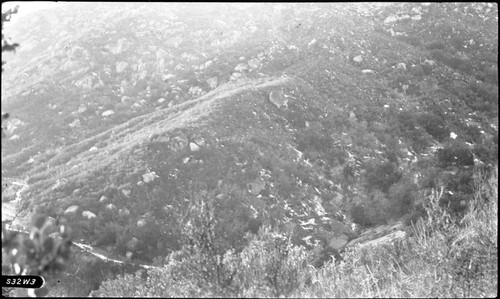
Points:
(15, 137)
(123, 212)
(121, 66)
(165, 77)
(235, 76)
(76, 123)
(195, 90)
(241, 67)
(77, 191)
(367, 71)
(110, 207)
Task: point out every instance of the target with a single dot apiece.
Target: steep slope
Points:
(308, 117)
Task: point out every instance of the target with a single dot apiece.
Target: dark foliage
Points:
(455, 155)
(435, 45)
(382, 176)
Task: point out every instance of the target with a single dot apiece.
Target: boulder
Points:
(358, 58)
(254, 63)
(194, 147)
(212, 82)
(338, 241)
(141, 222)
(93, 149)
(110, 207)
(126, 192)
(126, 100)
(88, 214)
(103, 199)
(108, 113)
(71, 209)
(235, 76)
(161, 100)
(131, 245)
(149, 177)
(401, 66)
(199, 141)
(179, 143)
(256, 187)
(75, 123)
(278, 99)
(123, 212)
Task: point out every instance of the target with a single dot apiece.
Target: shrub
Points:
(382, 176)
(486, 92)
(358, 215)
(402, 195)
(435, 126)
(417, 70)
(439, 55)
(457, 155)
(491, 75)
(455, 62)
(435, 45)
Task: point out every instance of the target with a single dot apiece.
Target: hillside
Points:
(323, 120)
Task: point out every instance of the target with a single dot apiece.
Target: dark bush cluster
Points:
(451, 61)
(382, 176)
(435, 45)
(455, 156)
(434, 125)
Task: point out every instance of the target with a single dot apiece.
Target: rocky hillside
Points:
(322, 118)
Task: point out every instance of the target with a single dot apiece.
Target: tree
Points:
(36, 253)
